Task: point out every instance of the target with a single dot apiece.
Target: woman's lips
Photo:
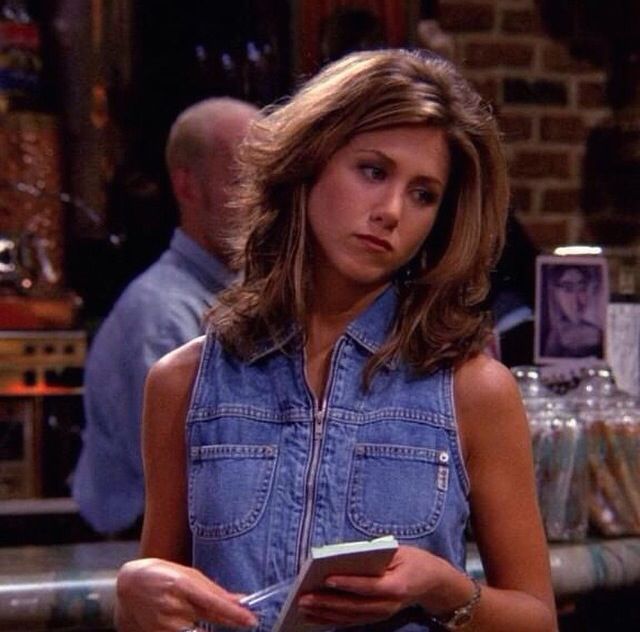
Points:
(375, 242)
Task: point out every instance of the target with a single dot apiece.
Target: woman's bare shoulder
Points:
(177, 368)
(483, 379)
(167, 393)
(488, 402)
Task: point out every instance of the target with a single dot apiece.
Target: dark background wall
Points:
(563, 77)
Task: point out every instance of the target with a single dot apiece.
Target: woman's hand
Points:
(413, 577)
(159, 596)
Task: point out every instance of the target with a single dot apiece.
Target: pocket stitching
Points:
(437, 458)
(241, 525)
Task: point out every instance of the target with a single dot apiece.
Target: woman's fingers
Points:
(358, 599)
(358, 585)
(212, 603)
(157, 595)
(347, 607)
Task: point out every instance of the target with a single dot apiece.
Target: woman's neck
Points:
(336, 301)
(319, 342)
(329, 315)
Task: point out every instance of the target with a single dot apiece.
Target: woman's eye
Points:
(425, 197)
(373, 172)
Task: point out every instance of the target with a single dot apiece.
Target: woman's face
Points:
(375, 202)
(571, 294)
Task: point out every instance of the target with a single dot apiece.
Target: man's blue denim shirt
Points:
(160, 310)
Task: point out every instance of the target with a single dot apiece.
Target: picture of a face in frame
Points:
(571, 308)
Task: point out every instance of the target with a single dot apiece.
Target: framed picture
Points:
(572, 293)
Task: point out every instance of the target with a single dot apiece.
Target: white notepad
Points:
(367, 557)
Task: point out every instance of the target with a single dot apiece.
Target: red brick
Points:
(561, 201)
(540, 164)
(562, 129)
(557, 58)
(457, 17)
(515, 127)
(534, 92)
(521, 198)
(592, 94)
(489, 54)
(520, 22)
(487, 88)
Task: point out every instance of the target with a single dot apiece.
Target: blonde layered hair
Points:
(440, 317)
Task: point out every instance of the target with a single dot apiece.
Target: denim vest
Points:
(272, 472)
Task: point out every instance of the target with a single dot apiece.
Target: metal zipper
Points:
(311, 478)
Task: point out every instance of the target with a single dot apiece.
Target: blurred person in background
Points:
(158, 311)
(511, 298)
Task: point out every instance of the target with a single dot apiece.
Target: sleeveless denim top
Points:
(272, 472)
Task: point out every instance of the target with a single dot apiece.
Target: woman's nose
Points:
(387, 211)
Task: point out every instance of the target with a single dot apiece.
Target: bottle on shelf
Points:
(20, 57)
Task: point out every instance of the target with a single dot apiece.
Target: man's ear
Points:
(185, 186)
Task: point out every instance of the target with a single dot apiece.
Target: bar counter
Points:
(71, 587)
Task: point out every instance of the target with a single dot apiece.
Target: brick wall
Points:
(546, 100)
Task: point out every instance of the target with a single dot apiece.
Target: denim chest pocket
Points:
(398, 490)
(229, 486)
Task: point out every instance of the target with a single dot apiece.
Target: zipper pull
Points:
(319, 421)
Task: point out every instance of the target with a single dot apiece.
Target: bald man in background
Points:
(158, 311)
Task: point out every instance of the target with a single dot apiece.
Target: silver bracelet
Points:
(463, 615)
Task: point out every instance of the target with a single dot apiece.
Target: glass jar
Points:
(612, 420)
(614, 467)
(535, 394)
(562, 479)
(559, 445)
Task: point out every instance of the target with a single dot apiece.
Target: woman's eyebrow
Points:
(377, 152)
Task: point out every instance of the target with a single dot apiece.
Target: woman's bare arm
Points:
(505, 516)
(160, 592)
(165, 530)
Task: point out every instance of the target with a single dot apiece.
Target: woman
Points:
(342, 393)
